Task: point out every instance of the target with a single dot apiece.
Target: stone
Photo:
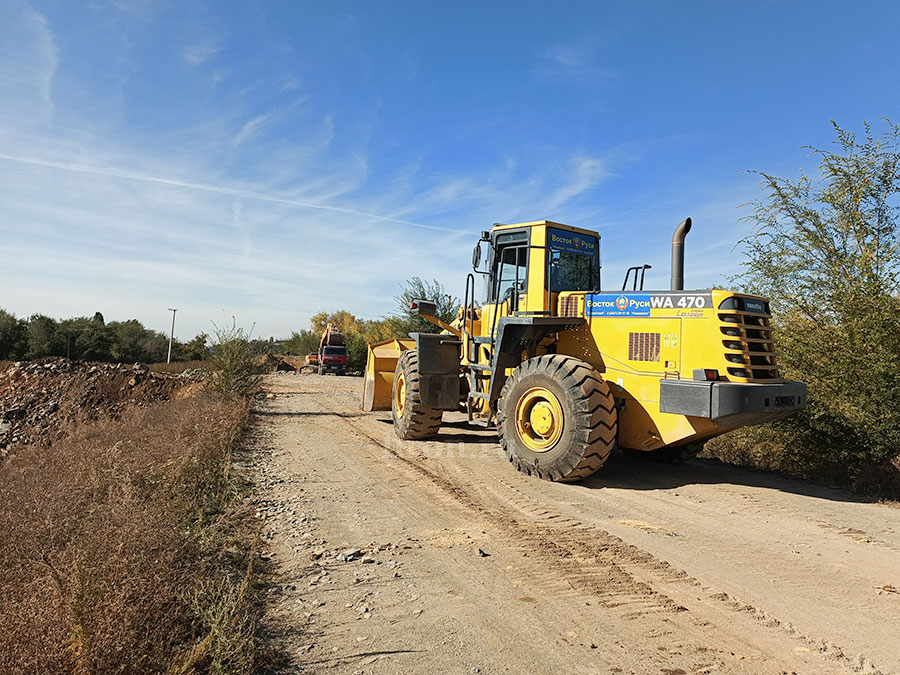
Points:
(351, 554)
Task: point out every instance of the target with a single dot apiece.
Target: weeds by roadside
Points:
(123, 548)
(234, 372)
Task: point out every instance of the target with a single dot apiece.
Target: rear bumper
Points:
(731, 403)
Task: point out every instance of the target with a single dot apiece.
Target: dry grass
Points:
(177, 367)
(120, 550)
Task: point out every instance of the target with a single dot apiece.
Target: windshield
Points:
(336, 351)
(574, 261)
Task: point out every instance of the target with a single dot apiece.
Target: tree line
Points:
(91, 339)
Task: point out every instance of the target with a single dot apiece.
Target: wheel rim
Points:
(400, 394)
(539, 419)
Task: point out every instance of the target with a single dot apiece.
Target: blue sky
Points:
(268, 160)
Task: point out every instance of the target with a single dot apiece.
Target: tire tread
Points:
(419, 421)
(595, 419)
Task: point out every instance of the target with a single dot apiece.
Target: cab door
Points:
(508, 281)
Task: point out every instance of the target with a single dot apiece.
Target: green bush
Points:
(234, 372)
(827, 253)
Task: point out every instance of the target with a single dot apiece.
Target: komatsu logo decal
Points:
(640, 304)
(631, 304)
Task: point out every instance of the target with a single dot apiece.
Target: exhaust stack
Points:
(677, 281)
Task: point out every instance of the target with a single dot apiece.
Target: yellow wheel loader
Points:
(567, 371)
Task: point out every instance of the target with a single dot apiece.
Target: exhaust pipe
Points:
(677, 281)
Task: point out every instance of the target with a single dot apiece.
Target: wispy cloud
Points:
(29, 58)
(290, 82)
(201, 52)
(584, 173)
(252, 126)
(576, 64)
(232, 192)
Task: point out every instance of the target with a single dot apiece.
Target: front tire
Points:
(557, 418)
(412, 420)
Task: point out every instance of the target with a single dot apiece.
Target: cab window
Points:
(512, 270)
(573, 260)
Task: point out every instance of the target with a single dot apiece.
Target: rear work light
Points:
(707, 374)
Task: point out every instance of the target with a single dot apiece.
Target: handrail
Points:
(469, 316)
(637, 268)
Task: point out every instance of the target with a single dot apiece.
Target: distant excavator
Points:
(332, 357)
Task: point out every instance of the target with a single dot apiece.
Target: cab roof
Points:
(550, 223)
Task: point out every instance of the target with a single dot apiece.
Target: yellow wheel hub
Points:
(400, 394)
(539, 419)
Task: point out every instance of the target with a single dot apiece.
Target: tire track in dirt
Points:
(595, 562)
(658, 572)
(604, 577)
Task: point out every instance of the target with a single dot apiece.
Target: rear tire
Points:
(412, 420)
(557, 418)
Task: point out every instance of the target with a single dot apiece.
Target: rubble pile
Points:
(275, 363)
(40, 400)
(271, 363)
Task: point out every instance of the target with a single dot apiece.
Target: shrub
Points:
(827, 253)
(234, 372)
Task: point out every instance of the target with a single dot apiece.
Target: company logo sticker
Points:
(690, 305)
(630, 304)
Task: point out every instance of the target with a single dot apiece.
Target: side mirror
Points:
(476, 256)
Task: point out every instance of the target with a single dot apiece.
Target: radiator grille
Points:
(643, 346)
(750, 348)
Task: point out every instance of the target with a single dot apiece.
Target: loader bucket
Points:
(380, 366)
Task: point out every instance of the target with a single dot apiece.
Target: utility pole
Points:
(172, 334)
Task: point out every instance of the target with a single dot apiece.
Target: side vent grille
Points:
(568, 305)
(643, 346)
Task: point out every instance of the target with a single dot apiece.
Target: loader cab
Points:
(531, 263)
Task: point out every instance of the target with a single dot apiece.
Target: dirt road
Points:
(438, 557)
